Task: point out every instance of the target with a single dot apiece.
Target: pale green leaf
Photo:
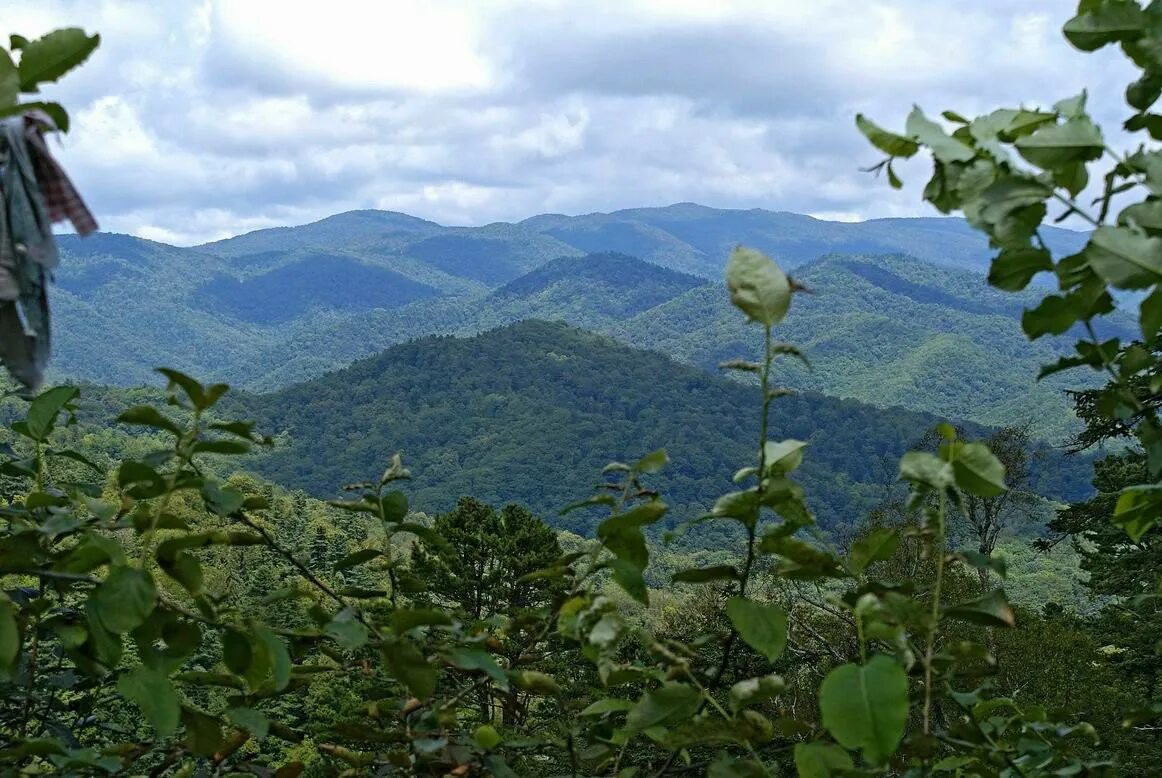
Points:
(866, 707)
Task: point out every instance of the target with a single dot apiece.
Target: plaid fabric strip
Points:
(60, 196)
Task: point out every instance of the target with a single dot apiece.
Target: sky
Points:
(197, 120)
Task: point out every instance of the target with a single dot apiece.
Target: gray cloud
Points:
(195, 121)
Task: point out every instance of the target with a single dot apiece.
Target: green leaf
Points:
(991, 610)
(888, 142)
(876, 546)
(229, 447)
(9, 637)
(395, 506)
(152, 691)
(784, 456)
(359, 557)
(277, 656)
(1137, 511)
(1145, 216)
(821, 760)
(607, 705)
(762, 627)
(653, 462)
(474, 659)
(985, 562)
(222, 501)
(977, 471)
(1125, 258)
(1055, 145)
(9, 80)
(487, 737)
(1105, 23)
(755, 690)
(347, 630)
(534, 682)
(706, 574)
(866, 707)
(44, 410)
(928, 133)
(757, 286)
(669, 703)
(921, 467)
(407, 664)
(253, 721)
(1053, 316)
(1013, 269)
(1009, 210)
(406, 619)
(729, 766)
(236, 651)
(124, 600)
(203, 732)
(628, 576)
(148, 416)
(194, 391)
(51, 56)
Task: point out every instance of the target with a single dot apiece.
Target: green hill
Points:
(531, 412)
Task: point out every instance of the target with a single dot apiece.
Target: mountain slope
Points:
(531, 413)
(697, 239)
(608, 285)
(889, 331)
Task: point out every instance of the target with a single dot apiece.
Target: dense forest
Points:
(621, 496)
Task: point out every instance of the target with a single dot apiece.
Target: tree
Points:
(987, 518)
(482, 554)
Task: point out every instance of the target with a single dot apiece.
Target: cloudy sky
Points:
(199, 120)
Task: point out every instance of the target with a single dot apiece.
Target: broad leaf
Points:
(1105, 23)
(9, 637)
(48, 58)
(1125, 258)
(876, 546)
(991, 610)
(977, 471)
(944, 147)
(888, 142)
(921, 467)
(755, 690)
(866, 707)
(821, 760)
(251, 720)
(762, 627)
(757, 286)
(124, 599)
(1013, 269)
(474, 659)
(152, 691)
(44, 410)
(669, 703)
(407, 664)
(706, 574)
(1055, 145)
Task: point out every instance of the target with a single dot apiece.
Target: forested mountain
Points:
(532, 412)
(273, 307)
(695, 239)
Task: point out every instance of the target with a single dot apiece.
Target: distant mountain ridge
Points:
(277, 306)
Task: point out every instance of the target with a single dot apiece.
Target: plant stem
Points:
(935, 614)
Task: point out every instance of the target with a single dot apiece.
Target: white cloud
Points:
(198, 120)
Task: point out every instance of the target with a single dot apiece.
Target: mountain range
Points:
(900, 313)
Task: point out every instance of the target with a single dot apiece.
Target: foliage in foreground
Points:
(114, 592)
(435, 654)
